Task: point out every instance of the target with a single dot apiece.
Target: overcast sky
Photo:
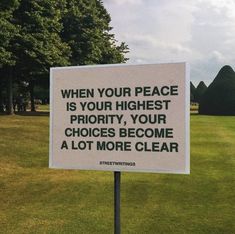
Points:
(201, 32)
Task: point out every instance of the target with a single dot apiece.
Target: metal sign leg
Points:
(117, 181)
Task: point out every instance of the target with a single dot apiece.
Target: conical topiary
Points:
(200, 90)
(219, 98)
(192, 92)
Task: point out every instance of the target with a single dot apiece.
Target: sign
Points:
(120, 118)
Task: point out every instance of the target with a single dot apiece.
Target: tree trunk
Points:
(31, 90)
(1, 98)
(10, 93)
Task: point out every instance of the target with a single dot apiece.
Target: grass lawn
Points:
(35, 199)
(43, 107)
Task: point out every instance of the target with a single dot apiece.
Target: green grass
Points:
(43, 107)
(35, 199)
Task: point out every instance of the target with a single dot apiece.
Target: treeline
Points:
(39, 34)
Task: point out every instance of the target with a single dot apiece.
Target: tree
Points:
(40, 34)
(87, 32)
(7, 58)
(38, 46)
(219, 98)
(200, 90)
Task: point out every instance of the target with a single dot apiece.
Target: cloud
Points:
(124, 2)
(218, 56)
(199, 31)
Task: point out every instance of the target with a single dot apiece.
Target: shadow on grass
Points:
(33, 113)
(29, 113)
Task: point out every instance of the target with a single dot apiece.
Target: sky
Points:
(201, 32)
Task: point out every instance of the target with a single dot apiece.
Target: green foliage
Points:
(219, 99)
(36, 199)
(86, 30)
(7, 31)
(40, 34)
(38, 45)
(200, 90)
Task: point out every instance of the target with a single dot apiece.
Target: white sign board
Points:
(120, 118)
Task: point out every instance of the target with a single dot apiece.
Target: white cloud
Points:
(218, 56)
(122, 2)
(199, 31)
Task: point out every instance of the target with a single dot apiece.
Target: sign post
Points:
(117, 200)
(117, 118)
